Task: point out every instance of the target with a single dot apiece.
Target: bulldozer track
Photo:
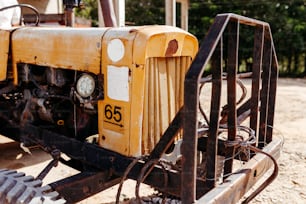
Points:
(17, 188)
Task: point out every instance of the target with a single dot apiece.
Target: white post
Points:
(119, 6)
(184, 14)
(170, 12)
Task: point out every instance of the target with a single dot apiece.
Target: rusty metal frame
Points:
(31, 18)
(185, 184)
(104, 161)
(265, 71)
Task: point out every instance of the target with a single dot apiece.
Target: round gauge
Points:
(85, 85)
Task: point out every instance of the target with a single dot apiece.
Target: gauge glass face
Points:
(85, 85)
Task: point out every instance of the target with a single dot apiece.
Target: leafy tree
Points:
(286, 18)
(89, 11)
(145, 12)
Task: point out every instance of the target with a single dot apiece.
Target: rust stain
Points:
(133, 30)
(172, 48)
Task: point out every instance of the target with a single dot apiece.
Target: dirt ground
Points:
(290, 124)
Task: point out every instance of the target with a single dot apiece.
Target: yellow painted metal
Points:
(115, 110)
(164, 92)
(157, 58)
(4, 50)
(160, 42)
(75, 49)
(143, 70)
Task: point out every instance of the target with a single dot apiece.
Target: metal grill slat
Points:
(164, 89)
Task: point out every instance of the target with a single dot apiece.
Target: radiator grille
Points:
(163, 96)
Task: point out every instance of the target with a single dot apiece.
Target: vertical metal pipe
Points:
(170, 12)
(189, 145)
(191, 103)
(119, 8)
(265, 91)
(256, 77)
(232, 66)
(212, 141)
(109, 16)
(272, 95)
(184, 14)
(69, 16)
(211, 51)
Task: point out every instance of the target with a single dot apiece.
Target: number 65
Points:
(114, 113)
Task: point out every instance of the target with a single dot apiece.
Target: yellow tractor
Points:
(137, 102)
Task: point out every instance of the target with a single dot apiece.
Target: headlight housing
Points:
(85, 85)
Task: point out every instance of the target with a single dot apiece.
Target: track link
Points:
(17, 188)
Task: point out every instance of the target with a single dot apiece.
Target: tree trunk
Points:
(289, 64)
(304, 72)
(296, 63)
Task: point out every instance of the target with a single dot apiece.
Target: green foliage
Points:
(145, 12)
(286, 18)
(89, 11)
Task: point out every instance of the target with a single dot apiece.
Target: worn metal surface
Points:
(45, 18)
(4, 50)
(74, 49)
(146, 104)
(106, 160)
(84, 185)
(211, 52)
(143, 71)
(143, 85)
(238, 184)
(168, 137)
